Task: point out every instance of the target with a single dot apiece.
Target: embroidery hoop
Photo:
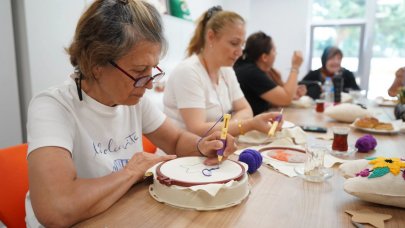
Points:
(167, 175)
(265, 151)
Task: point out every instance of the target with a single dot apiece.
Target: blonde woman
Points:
(203, 87)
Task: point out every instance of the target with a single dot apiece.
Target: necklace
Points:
(216, 86)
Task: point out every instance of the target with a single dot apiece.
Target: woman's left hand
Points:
(301, 91)
(209, 145)
(264, 121)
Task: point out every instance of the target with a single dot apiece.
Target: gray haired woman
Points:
(85, 136)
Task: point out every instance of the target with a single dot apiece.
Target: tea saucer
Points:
(326, 173)
(350, 151)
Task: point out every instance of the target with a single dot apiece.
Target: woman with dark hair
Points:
(259, 81)
(331, 65)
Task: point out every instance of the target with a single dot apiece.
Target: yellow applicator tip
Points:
(219, 158)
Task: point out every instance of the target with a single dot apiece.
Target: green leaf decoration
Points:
(379, 172)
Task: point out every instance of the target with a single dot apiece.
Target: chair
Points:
(148, 145)
(14, 185)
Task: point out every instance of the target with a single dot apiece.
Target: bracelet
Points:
(296, 70)
(198, 148)
(241, 132)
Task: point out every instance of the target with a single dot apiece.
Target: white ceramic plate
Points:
(384, 102)
(258, 138)
(288, 124)
(378, 131)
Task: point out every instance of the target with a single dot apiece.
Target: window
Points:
(347, 37)
(370, 33)
(388, 49)
(338, 9)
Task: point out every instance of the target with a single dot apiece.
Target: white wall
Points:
(287, 23)
(44, 28)
(10, 120)
(50, 27)
(242, 7)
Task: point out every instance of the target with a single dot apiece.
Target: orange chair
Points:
(14, 185)
(148, 145)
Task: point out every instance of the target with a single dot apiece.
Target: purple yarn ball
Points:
(366, 143)
(252, 158)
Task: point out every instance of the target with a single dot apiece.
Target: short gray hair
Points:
(109, 29)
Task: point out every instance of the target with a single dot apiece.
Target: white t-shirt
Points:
(189, 86)
(101, 139)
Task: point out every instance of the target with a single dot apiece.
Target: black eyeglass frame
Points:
(141, 81)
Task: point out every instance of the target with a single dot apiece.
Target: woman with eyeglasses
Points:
(204, 87)
(85, 136)
(260, 82)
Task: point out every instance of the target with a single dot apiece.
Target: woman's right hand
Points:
(142, 161)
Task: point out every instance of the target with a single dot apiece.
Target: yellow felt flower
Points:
(394, 164)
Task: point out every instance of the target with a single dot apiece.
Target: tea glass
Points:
(320, 105)
(339, 143)
(313, 168)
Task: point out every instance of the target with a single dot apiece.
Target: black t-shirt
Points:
(349, 82)
(254, 83)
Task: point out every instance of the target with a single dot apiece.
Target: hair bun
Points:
(211, 11)
(124, 2)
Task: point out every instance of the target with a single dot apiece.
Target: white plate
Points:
(384, 102)
(288, 124)
(255, 138)
(378, 131)
(259, 138)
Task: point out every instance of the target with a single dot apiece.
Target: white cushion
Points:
(346, 112)
(346, 98)
(388, 189)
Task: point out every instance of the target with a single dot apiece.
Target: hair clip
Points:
(124, 2)
(211, 11)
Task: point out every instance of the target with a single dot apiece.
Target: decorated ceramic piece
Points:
(187, 183)
(190, 171)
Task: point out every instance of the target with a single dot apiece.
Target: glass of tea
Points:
(340, 139)
(320, 105)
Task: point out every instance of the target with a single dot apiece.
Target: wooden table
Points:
(275, 200)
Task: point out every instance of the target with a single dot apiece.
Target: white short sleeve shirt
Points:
(101, 139)
(189, 86)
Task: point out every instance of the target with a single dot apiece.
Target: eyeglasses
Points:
(141, 81)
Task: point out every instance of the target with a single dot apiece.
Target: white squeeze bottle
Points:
(328, 90)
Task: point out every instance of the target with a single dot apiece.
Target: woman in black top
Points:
(254, 69)
(331, 64)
